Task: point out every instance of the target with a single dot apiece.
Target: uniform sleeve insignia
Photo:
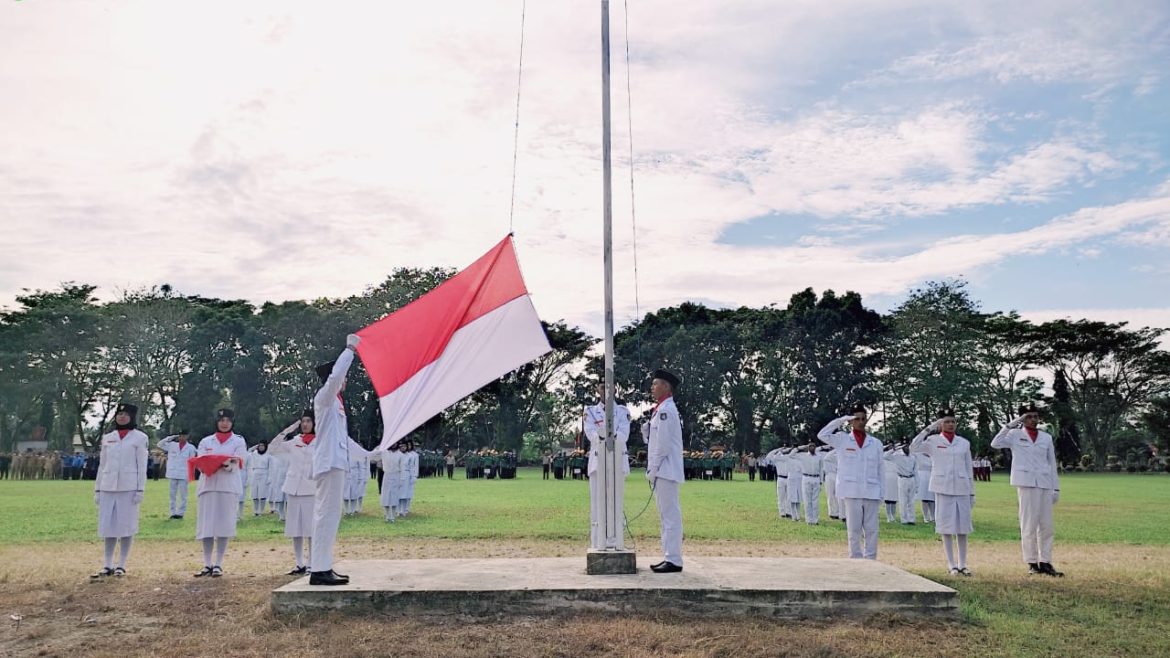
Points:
(663, 416)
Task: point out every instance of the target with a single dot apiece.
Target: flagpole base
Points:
(610, 563)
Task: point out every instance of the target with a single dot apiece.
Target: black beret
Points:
(126, 407)
(309, 413)
(225, 413)
(1029, 408)
(946, 412)
(668, 377)
(858, 409)
(324, 370)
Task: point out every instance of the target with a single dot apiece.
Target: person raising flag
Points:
(330, 464)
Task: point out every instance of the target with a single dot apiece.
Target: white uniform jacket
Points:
(951, 470)
(665, 458)
(122, 465)
(227, 480)
(595, 429)
(332, 440)
(259, 467)
(177, 457)
(809, 465)
(298, 480)
(829, 463)
(860, 470)
(905, 466)
(1033, 462)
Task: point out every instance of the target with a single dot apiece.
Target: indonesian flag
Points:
(474, 328)
(208, 464)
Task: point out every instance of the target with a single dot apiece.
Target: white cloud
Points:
(275, 151)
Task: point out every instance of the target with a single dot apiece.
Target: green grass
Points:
(1094, 509)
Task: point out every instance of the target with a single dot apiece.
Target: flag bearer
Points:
(219, 493)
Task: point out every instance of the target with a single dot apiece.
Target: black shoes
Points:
(176, 516)
(1048, 570)
(102, 574)
(327, 578)
(206, 571)
(665, 567)
(1034, 569)
(298, 571)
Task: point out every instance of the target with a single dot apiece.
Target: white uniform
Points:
(276, 477)
(219, 493)
(409, 478)
(1034, 476)
(258, 473)
(951, 480)
(177, 456)
(860, 471)
(664, 468)
(392, 462)
(594, 423)
(905, 469)
(120, 483)
(298, 488)
(795, 482)
(356, 476)
(829, 463)
(811, 467)
(922, 475)
(330, 462)
(774, 460)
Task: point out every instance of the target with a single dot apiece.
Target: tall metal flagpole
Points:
(610, 557)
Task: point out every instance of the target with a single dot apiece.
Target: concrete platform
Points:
(772, 587)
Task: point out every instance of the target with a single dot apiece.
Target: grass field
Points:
(1113, 539)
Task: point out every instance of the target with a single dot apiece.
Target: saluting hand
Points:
(351, 341)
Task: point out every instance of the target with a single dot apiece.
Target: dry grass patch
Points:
(1114, 602)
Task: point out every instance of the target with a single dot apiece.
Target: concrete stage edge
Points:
(770, 587)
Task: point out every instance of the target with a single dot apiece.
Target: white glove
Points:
(136, 498)
(1055, 496)
(934, 427)
(97, 498)
(645, 429)
(229, 465)
(651, 475)
(351, 341)
(1018, 422)
(296, 425)
(972, 500)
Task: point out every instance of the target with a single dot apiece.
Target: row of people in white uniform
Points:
(802, 473)
(863, 480)
(399, 464)
(313, 486)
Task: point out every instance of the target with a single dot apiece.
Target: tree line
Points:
(753, 377)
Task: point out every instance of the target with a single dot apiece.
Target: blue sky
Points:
(287, 150)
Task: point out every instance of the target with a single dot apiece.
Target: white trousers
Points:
(812, 499)
(907, 490)
(831, 495)
(782, 495)
(861, 521)
(178, 496)
(1036, 529)
(670, 518)
(326, 518)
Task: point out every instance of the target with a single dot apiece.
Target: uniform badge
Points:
(663, 416)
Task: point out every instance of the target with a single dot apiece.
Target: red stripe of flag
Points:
(396, 347)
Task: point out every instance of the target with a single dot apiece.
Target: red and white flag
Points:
(474, 328)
